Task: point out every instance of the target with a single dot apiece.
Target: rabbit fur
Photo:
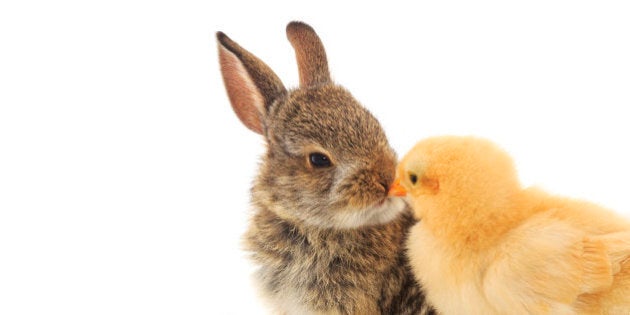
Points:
(327, 239)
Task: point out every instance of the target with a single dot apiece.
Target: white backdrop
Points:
(124, 174)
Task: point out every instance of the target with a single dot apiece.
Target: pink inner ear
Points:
(247, 101)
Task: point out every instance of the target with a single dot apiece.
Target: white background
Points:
(124, 173)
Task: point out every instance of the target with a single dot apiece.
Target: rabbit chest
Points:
(312, 271)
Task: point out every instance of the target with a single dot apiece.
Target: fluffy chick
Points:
(497, 248)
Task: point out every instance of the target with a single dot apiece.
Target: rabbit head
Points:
(328, 162)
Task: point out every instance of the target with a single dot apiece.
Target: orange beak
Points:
(397, 189)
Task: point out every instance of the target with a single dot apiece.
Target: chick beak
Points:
(397, 189)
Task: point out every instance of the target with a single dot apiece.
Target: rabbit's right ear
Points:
(251, 85)
(310, 54)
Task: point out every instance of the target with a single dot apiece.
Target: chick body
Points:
(497, 248)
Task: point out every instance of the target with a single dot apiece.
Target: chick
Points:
(497, 248)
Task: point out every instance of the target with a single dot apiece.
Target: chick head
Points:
(455, 173)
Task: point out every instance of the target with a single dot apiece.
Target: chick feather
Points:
(499, 248)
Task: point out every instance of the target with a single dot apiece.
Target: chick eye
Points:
(413, 178)
(319, 160)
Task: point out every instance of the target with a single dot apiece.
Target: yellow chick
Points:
(485, 245)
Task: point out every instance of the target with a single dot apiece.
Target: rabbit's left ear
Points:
(251, 85)
(310, 55)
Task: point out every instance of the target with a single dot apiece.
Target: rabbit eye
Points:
(319, 160)
(413, 178)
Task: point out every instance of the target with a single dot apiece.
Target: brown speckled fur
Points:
(328, 240)
(360, 271)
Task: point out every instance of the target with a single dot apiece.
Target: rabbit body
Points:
(325, 234)
(307, 270)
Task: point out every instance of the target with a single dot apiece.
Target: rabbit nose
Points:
(384, 184)
(386, 179)
(385, 170)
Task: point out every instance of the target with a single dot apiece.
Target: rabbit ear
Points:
(251, 85)
(310, 54)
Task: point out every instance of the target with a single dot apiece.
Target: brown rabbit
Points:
(326, 236)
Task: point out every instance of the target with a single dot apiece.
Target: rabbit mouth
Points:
(381, 212)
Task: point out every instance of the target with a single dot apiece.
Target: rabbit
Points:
(324, 233)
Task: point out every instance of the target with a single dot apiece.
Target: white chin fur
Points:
(377, 214)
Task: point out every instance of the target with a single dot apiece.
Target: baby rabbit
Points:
(325, 234)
